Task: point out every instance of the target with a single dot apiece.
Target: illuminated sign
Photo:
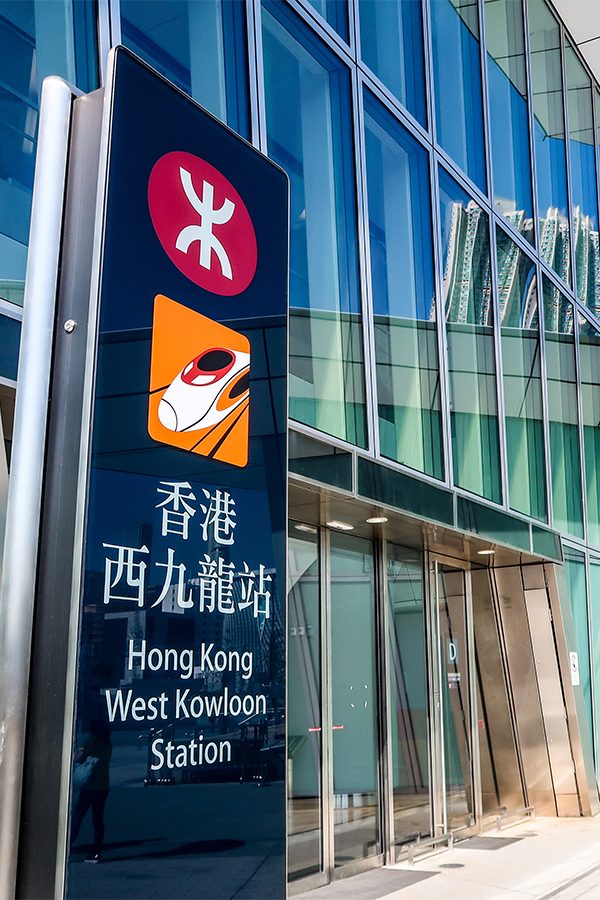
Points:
(180, 704)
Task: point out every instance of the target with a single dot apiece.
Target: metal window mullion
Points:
(436, 730)
(570, 211)
(318, 26)
(443, 366)
(516, 237)
(364, 258)
(114, 7)
(595, 101)
(354, 28)
(383, 93)
(590, 644)
(497, 323)
(327, 813)
(485, 103)
(385, 703)
(545, 400)
(428, 68)
(473, 702)
(497, 326)
(258, 107)
(578, 392)
(103, 37)
(531, 123)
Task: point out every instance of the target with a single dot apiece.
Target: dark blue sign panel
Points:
(179, 747)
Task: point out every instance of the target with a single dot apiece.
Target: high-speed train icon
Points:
(206, 390)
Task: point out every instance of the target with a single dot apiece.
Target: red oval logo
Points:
(202, 223)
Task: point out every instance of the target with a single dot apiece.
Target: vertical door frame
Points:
(438, 761)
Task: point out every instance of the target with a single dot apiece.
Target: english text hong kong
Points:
(182, 662)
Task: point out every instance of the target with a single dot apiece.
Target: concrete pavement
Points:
(536, 860)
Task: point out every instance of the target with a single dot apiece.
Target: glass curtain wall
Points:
(470, 338)
(408, 695)
(549, 138)
(201, 47)
(595, 662)
(404, 306)
(457, 82)
(562, 411)
(356, 833)
(522, 378)
(385, 26)
(576, 583)
(582, 161)
(314, 146)
(509, 125)
(589, 359)
(305, 834)
(37, 38)
(335, 12)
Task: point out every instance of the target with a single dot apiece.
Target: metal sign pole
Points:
(25, 488)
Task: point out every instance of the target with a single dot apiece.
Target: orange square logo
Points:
(199, 384)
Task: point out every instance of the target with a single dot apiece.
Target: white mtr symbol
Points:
(209, 216)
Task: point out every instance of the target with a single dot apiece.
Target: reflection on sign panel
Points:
(199, 384)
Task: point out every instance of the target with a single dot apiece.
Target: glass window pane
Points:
(355, 749)
(521, 373)
(595, 620)
(305, 837)
(470, 337)
(562, 411)
(37, 38)
(408, 691)
(335, 12)
(549, 138)
(201, 47)
(576, 584)
(408, 382)
(386, 26)
(457, 77)
(507, 86)
(584, 201)
(589, 356)
(314, 146)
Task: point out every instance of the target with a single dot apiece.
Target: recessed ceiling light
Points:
(341, 526)
(485, 552)
(308, 528)
(377, 520)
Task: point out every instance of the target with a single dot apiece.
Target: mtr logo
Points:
(199, 384)
(202, 223)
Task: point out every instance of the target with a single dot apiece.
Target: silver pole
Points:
(17, 588)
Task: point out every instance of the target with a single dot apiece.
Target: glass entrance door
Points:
(353, 679)
(456, 700)
(334, 720)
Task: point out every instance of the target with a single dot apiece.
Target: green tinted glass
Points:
(404, 305)
(517, 294)
(309, 134)
(470, 336)
(589, 354)
(549, 137)
(582, 162)
(562, 411)
(507, 88)
(595, 620)
(575, 575)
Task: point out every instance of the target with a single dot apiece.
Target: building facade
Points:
(444, 385)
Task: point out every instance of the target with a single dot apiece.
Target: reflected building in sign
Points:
(443, 476)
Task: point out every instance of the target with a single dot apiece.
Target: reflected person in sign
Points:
(93, 792)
